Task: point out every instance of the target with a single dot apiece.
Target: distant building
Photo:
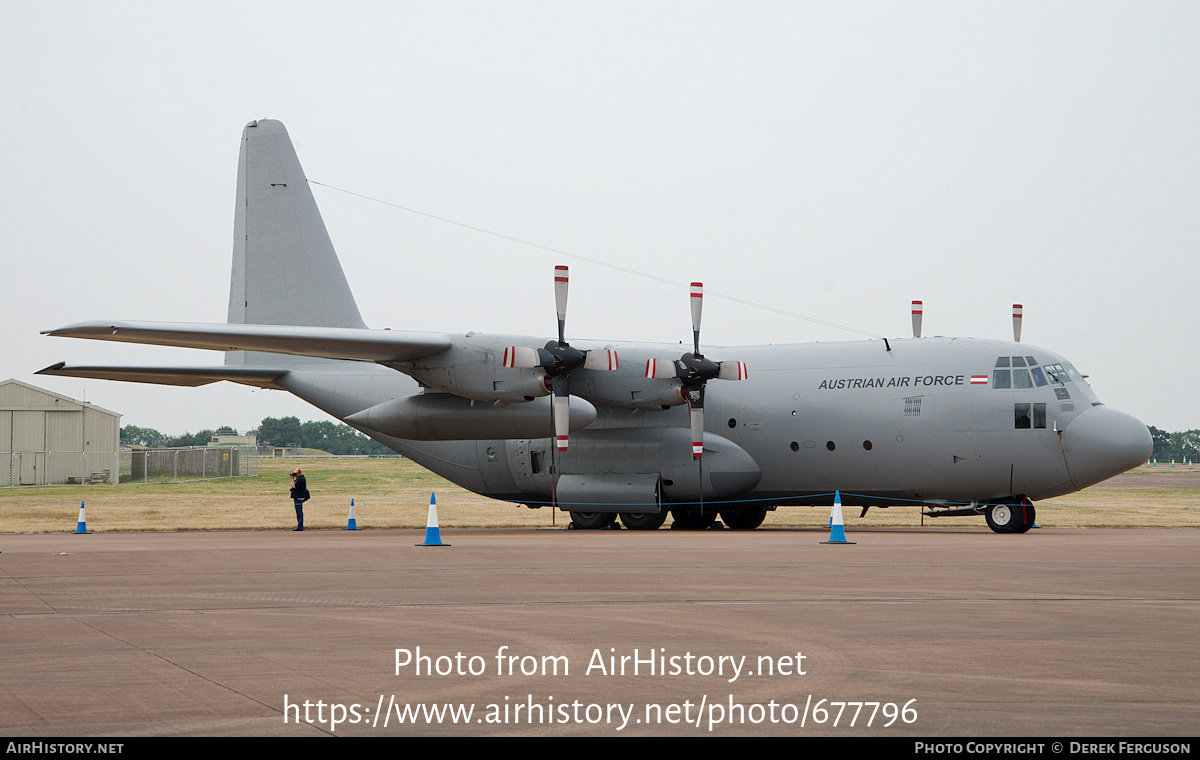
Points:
(47, 438)
(235, 440)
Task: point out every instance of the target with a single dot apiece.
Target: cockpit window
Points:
(1074, 373)
(1031, 360)
(1002, 362)
(1021, 420)
(1000, 379)
(1057, 373)
(1039, 377)
(1018, 361)
(1021, 378)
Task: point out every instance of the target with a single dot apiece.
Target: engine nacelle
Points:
(476, 373)
(628, 391)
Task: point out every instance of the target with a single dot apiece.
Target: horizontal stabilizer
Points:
(326, 342)
(192, 377)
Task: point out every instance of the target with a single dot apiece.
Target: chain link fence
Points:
(42, 468)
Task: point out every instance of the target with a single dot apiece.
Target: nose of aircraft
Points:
(1103, 442)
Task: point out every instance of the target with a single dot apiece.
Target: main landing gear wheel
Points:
(592, 520)
(692, 518)
(643, 520)
(744, 518)
(1006, 518)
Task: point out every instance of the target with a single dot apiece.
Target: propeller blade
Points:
(697, 305)
(560, 300)
(918, 309)
(562, 411)
(660, 369)
(695, 399)
(731, 370)
(562, 420)
(521, 356)
(601, 359)
(1018, 313)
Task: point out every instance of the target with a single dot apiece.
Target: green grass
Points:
(394, 493)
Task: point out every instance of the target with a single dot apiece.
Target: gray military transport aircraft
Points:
(956, 426)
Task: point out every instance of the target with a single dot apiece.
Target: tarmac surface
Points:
(1058, 632)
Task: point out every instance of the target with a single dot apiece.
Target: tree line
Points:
(1175, 446)
(331, 437)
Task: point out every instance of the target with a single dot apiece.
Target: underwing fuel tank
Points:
(446, 417)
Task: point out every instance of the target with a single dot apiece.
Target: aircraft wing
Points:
(259, 377)
(324, 342)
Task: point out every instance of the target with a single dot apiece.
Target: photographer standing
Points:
(299, 496)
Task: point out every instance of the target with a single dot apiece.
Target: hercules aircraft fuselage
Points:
(955, 425)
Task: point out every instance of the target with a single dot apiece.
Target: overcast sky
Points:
(835, 160)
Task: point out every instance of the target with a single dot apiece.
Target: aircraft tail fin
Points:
(285, 271)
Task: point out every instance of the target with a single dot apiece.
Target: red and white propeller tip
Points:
(561, 280)
(918, 309)
(1018, 313)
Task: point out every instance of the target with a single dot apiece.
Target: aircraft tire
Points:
(643, 520)
(743, 518)
(692, 518)
(1004, 518)
(592, 520)
(1029, 515)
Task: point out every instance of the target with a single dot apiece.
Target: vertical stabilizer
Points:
(285, 271)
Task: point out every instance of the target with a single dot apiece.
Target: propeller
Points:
(918, 310)
(1018, 313)
(558, 359)
(693, 371)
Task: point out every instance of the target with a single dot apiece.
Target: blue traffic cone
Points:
(837, 527)
(82, 526)
(433, 536)
(352, 525)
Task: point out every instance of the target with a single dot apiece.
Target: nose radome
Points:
(1103, 442)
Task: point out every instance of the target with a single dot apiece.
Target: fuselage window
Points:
(1021, 420)
(1000, 379)
(1021, 378)
(1018, 361)
(1002, 361)
(1039, 377)
(1039, 416)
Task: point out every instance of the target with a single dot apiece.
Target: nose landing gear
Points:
(1011, 518)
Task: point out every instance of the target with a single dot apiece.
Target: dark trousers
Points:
(299, 512)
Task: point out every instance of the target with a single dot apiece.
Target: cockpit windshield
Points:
(1058, 373)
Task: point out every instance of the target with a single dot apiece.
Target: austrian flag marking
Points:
(978, 379)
